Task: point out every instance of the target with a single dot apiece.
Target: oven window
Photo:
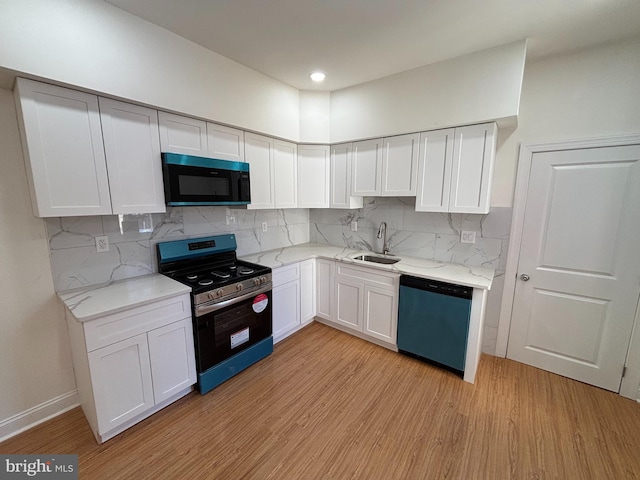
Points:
(197, 185)
(223, 333)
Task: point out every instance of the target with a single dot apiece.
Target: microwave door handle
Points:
(208, 308)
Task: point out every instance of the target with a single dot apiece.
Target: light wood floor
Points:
(327, 405)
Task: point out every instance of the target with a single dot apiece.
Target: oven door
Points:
(229, 327)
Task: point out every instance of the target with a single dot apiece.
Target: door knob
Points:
(524, 277)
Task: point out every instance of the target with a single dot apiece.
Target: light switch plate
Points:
(102, 243)
(467, 237)
(265, 227)
(354, 226)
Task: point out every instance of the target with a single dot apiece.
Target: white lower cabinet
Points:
(380, 313)
(366, 303)
(307, 291)
(325, 278)
(349, 303)
(294, 298)
(130, 364)
(121, 375)
(286, 301)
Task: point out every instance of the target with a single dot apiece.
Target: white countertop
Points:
(88, 303)
(477, 277)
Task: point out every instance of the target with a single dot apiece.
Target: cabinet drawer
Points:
(286, 274)
(119, 326)
(369, 275)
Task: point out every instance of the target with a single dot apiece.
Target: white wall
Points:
(96, 46)
(592, 93)
(35, 361)
(315, 116)
(475, 88)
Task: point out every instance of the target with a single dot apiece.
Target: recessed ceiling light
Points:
(317, 76)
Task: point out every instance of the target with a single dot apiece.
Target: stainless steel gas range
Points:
(231, 303)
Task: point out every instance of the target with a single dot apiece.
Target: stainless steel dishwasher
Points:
(433, 321)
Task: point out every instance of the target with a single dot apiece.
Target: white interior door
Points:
(574, 315)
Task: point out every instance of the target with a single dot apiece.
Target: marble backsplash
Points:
(132, 241)
(425, 235)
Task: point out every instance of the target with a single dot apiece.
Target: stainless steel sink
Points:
(377, 259)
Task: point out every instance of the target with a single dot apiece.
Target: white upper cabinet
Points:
(385, 167)
(340, 187)
(63, 148)
(366, 161)
(472, 169)
(313, 176)
(285, 181)
(225, 143)
(191, 136)
(400, 165)
(132, 147)
(273, 169)
(259, 152)
(456, 168)
(434, 171)
(184, 135)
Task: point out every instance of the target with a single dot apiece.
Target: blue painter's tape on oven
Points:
(211, 378)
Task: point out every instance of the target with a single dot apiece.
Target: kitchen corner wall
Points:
(435, 236)
(132, 240)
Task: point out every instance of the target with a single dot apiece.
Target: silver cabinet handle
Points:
(524, 277)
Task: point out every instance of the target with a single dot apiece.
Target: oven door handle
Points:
(208, 308)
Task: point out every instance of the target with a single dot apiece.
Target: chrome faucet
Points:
(385, 247)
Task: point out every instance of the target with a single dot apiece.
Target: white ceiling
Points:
(355, 41)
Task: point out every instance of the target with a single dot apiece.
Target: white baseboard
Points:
(40, 413)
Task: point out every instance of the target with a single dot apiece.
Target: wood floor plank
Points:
(327, 405)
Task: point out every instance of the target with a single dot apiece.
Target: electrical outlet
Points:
(102, 244)
(354, 226)
(468, 237)
(265, 227)
(230, 218)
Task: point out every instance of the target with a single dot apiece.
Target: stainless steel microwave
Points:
(191, 180)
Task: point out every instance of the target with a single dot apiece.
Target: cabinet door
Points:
(472, 169)
(121, 378)
(63, 148)
(313, 176)
(259, 153)
(325, 272)
(307, 290)
(366, 171)
(173, 365)
(340, 188)
(400, 165)
(286, 309)
(286, 174)
(380, 313)
(225, 143)
(182, 134)
(132, 148)
(434, 171)
(348, 298)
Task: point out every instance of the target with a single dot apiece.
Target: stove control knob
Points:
(219, 292)
(239, 287)
(210, 295)
(256, 281)
(263, 279)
